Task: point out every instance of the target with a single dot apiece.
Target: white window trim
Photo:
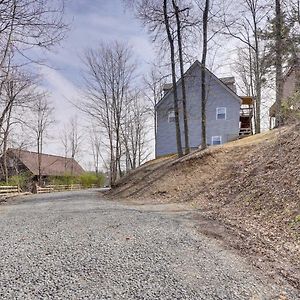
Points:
(214, 137)
(169, 113)
(217, 113)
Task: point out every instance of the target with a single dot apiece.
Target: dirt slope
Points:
(252, 185)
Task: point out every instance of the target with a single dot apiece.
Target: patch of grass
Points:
(63, 180)
(23, 181)
(297, 219)
(87, 179)
(295, 223)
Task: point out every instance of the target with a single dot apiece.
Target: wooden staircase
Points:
(246, 116)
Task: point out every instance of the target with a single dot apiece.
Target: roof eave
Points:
(197, 62)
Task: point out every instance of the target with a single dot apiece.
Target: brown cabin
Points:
(21, 161)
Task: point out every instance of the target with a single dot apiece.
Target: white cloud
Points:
(61, 93)
(100, 21)
(90, 22)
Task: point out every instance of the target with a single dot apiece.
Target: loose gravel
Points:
(79, 246)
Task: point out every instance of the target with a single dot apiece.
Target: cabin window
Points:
(221, 113)
(171, 116)
(216, 140)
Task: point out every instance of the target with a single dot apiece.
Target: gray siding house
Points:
(222, 112)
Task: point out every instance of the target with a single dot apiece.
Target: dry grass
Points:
(169, 175)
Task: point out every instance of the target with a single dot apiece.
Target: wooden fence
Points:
(14, 190)
(9, 190)
(58, 188)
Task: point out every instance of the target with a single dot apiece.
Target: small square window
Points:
(171, 116)
(221, 113)
(216, 140)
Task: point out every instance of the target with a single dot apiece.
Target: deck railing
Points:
(246, 112)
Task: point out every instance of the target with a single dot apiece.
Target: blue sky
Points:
(91, 21)
(94, 21)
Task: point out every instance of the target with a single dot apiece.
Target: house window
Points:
(216, 140)
(221, 113)
(171, 116)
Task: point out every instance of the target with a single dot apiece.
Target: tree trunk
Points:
(203, 76)
(278, 64)
(257, 80)
(72, 165)
(251, 87)
(5, 169)
(39, 162)
(155, 132)
(112, 164)
(5, 138)
(184, 102)
(172, 56)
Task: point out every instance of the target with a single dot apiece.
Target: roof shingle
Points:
(51, 165)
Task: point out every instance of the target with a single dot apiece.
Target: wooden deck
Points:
(246, 117)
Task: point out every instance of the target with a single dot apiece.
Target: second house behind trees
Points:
(227, 115)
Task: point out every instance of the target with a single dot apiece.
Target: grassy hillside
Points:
(252, 184)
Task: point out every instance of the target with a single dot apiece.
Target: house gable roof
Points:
(194, 65)
(51, 165)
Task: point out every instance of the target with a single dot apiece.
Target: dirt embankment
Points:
(251, 186)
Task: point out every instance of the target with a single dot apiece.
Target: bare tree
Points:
(64, 139)
(279, 59)
(135, 130)
(154, 83)
(166, 21)
(203, 73)
(71, 140)
(246, 26)
(171, 38)
(75, 140)
(178, 13)
(19, 90)
(295, 10)
(26, 24)
(95, 143)
(42, 119)
(109, 73)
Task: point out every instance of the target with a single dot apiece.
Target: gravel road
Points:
(79, 246)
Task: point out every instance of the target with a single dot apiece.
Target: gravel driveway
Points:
(79, 246)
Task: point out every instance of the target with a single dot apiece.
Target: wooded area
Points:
(265, 42)
(117, 101)
(25, 26)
